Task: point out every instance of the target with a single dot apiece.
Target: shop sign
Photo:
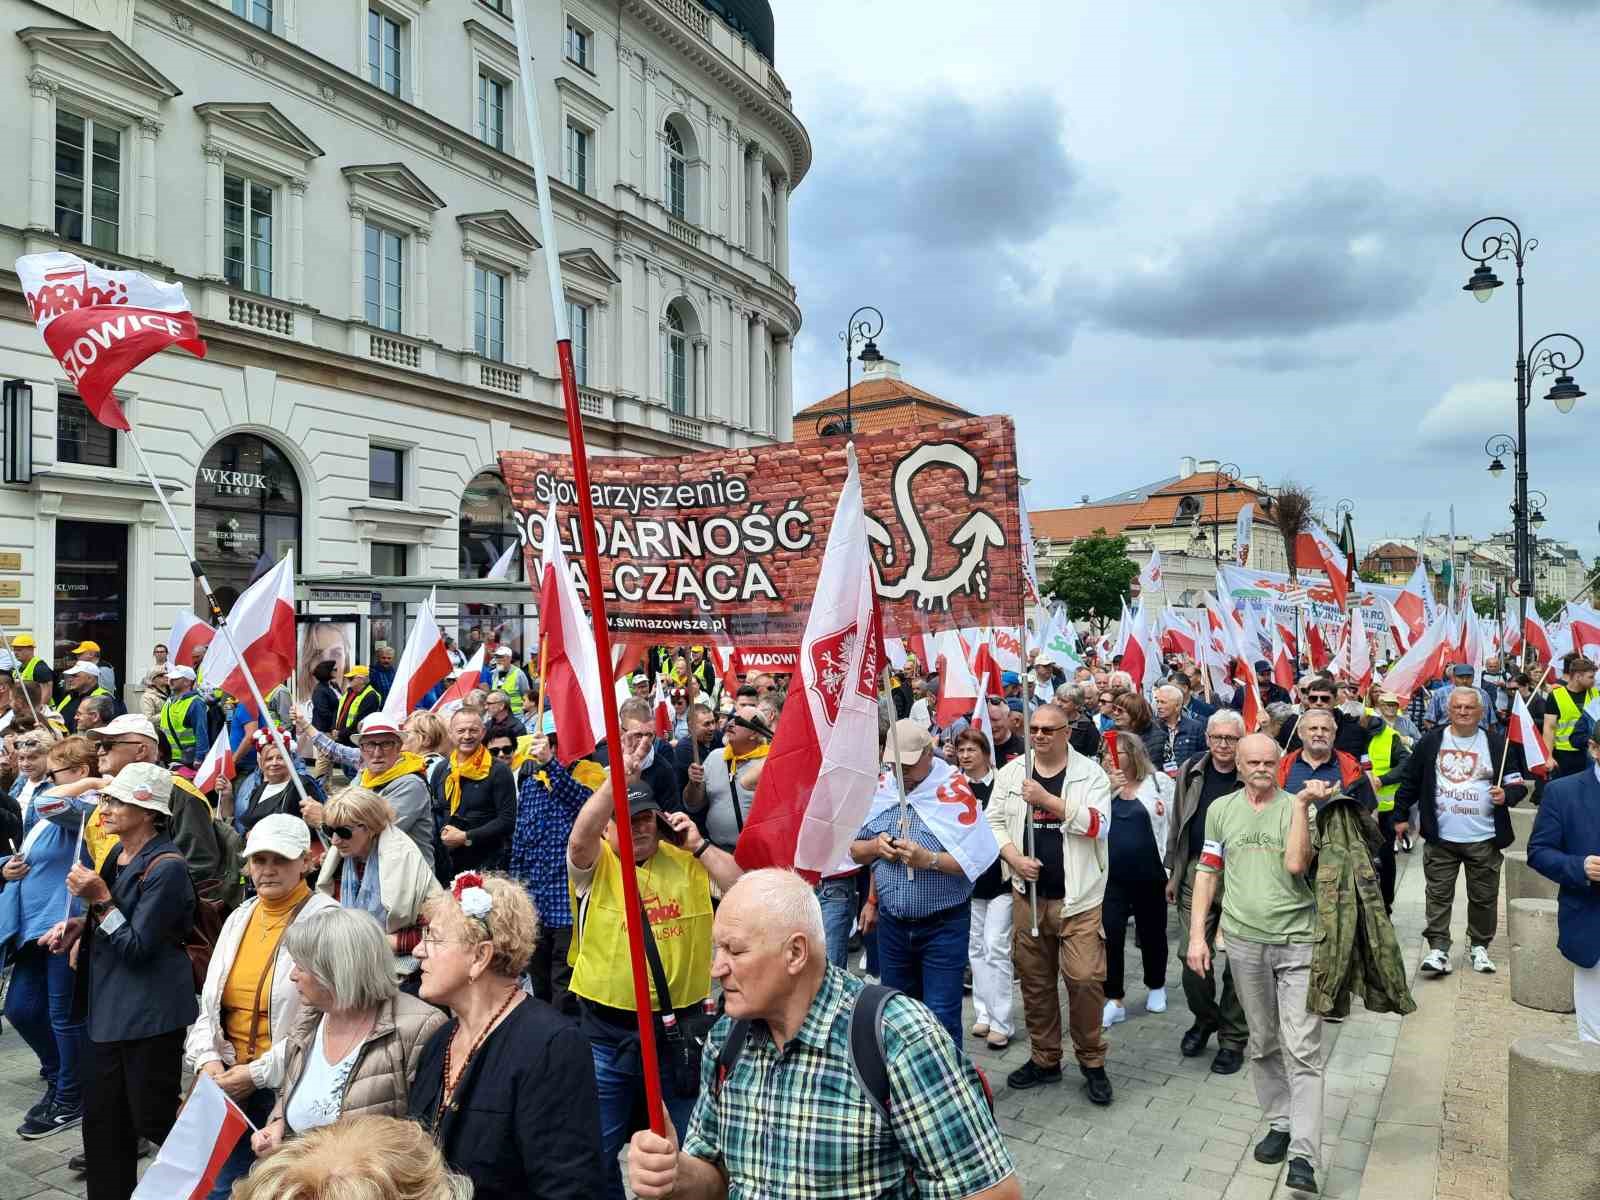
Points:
(234, 483)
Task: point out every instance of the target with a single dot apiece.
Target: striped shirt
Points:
(794, 1123)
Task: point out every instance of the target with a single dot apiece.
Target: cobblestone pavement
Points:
(1175, 1130)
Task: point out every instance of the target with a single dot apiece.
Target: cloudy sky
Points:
(1148, 229)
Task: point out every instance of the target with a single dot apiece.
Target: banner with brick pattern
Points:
(726, 544)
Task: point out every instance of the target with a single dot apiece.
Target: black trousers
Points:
(549, 970)
(130, 1090)
(1386, 865)
(1147, 904)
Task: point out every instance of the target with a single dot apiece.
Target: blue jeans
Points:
(258, 1107)
(838, 900)
(39, 1005)
(928, 961)
(621, 1089)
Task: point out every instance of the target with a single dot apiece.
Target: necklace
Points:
(448, 1091)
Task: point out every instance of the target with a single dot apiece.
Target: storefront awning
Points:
(409, 589)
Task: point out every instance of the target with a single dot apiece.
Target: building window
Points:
(580, 45)
(389, 559)
(677, 174)
(257, 12)
(247, 234)
(772, 394)
(88, 180)
(677, 363)
(769, 210)
(492, 111)
(385, 272)
(578, 326)
(383, 51)
(386, 473)
(79, 437)
(489, 313)
(579, 142)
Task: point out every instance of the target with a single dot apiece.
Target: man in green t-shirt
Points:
(1265, 840)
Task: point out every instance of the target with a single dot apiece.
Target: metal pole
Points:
(1524, 557)
(1027, 770)
(899, 769)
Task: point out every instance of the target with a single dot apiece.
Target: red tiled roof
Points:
(1159, 509)
(879, 404)
(1069, 524)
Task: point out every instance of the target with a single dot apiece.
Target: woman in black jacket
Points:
(507, 1086)
(474, 798)
(134, 978)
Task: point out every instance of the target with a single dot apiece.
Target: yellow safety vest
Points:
(62, 703)
(676, 892)
(33, 665)
(1567, 714)
(355, 706)
(1380, 750)
(181, 739)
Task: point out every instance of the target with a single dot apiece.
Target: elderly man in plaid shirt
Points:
(789, 1116)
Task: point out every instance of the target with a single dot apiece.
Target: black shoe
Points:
(43, 1105)
(1228, 1061)
(78, 1164)
(1194, 1042)
(1030, 1074)
(58, 1117)
(1273, 1148)
(1099, 1086)
(1301, 1177)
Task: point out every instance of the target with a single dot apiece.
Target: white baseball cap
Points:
(379, 723)
(82, 667)
(134, 723)
(503, 652)
(179, 671)
(280, 834)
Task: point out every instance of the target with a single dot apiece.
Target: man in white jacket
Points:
(1071, 802)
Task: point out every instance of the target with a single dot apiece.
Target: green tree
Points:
(1547, 606)
(1093, 578)
(1483, 605)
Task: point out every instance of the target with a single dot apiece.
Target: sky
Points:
(1148, 230)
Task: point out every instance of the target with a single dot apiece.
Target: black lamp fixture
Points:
(865, 324)
(1482, 284)
(1565, 393)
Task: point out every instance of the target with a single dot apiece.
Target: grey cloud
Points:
(1276, 360)
(1336, 252)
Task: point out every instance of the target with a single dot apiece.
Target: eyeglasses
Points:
(379, 744)
(502, 751)
(1047, 730)
(1320, 698)
(1222, 738)
(346, 832)
(431, 940)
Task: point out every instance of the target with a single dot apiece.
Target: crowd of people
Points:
(416, 929)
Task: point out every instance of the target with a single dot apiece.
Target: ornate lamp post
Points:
(865, 324)
(1224, 479)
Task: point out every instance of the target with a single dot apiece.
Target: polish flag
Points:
(985, 666)
(1422, 662)
(1177, 636)
(1339, 665)
(189, 633)
(423, 663)
(1282, 665)
(571, 682)
(959, 692)
(262, 626)
(663, 708)
(1537, 636)
(218, 764)
(1318, 646)
(823, 769)
(102, 324)
(463, 685)
(625, 656)
(722, 660)
(982, 722)
(1150, 577)
(1415, 603)
(1360, 651)
(1399, 627)
(1522, 730)
(1232, 642)
(209, 1126)
(1584, 622)
(1316, 545)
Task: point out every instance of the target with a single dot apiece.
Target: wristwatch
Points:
(99, 909)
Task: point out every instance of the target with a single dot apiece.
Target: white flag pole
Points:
(1027, 773)
(894, 755)
(19, 665)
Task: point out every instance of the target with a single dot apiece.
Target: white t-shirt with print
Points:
(1463, 775)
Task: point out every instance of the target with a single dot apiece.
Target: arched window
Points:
(677, 363)
(246, 513)
(766, 227)
(677, 170)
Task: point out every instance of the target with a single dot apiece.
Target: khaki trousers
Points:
(1075, 947)
(1440, 863)
(1285, 1040)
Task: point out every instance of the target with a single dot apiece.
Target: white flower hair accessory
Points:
(471, 895)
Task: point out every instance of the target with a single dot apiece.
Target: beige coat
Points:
(381, 1080)
(1086, 794)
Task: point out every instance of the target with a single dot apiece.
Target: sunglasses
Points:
(341, 831)
(502, 751)
(1320, 698)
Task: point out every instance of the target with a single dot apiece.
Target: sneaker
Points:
(998, 1041)
(1114, 1014)
(1098, 1086)
(55, 1120)
(980, 1029)
(1031, 1075)
(1405, 843)
(1436, 963)
(42, 1106)
(1156, 1001)
(1301, 1178)
(1481, 962)
(1273, 1148)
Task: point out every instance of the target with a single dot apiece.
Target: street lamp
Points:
(1225, 471)
(865, 324)
(1506, 243)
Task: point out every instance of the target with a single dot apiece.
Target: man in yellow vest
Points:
(675, 892)
(82, 680)
(360, 700)
(1564, 709)
(1385, 760)
(32, 668)
(183, 721)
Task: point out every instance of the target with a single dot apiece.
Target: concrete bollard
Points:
(1540, 977)
(1523, 882)
(1552, 1096)
(1522, 818)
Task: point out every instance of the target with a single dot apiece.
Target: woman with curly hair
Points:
(507, 1086)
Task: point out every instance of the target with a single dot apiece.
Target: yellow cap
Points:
(357, 669)
(23, 639)
(86, 647)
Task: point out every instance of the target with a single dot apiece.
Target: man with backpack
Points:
(877, 1095)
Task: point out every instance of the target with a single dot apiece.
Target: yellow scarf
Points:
(476, 767)
(734, 760)
(407, 764)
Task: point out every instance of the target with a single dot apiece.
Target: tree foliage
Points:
(1093, 578)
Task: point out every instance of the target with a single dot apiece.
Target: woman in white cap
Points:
(249, 1002)
(140, 985)
(355, 1043)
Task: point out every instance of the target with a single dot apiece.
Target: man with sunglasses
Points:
(385, 767)
(1351, 733)
(722, 798)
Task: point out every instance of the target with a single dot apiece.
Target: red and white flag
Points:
(663, 708)
(1522, 730)
(470, 678)
(823, 766)
(1423, 661)
(102, 324)
(1282, 666)
(1415, 603)
(1317, 545)
(262, 626)
(958, 686)
(1537, 637)
(189, 1161)
(1317, 644)
(1360, 652)
(980, 656)
(423, 663)
(1585, 625)
(1150, 578)
(189, 633)
(571, 679)
(218, 764)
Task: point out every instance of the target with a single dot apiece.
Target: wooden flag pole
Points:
(591, 565)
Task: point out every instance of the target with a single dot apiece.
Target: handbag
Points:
(680, 1040)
